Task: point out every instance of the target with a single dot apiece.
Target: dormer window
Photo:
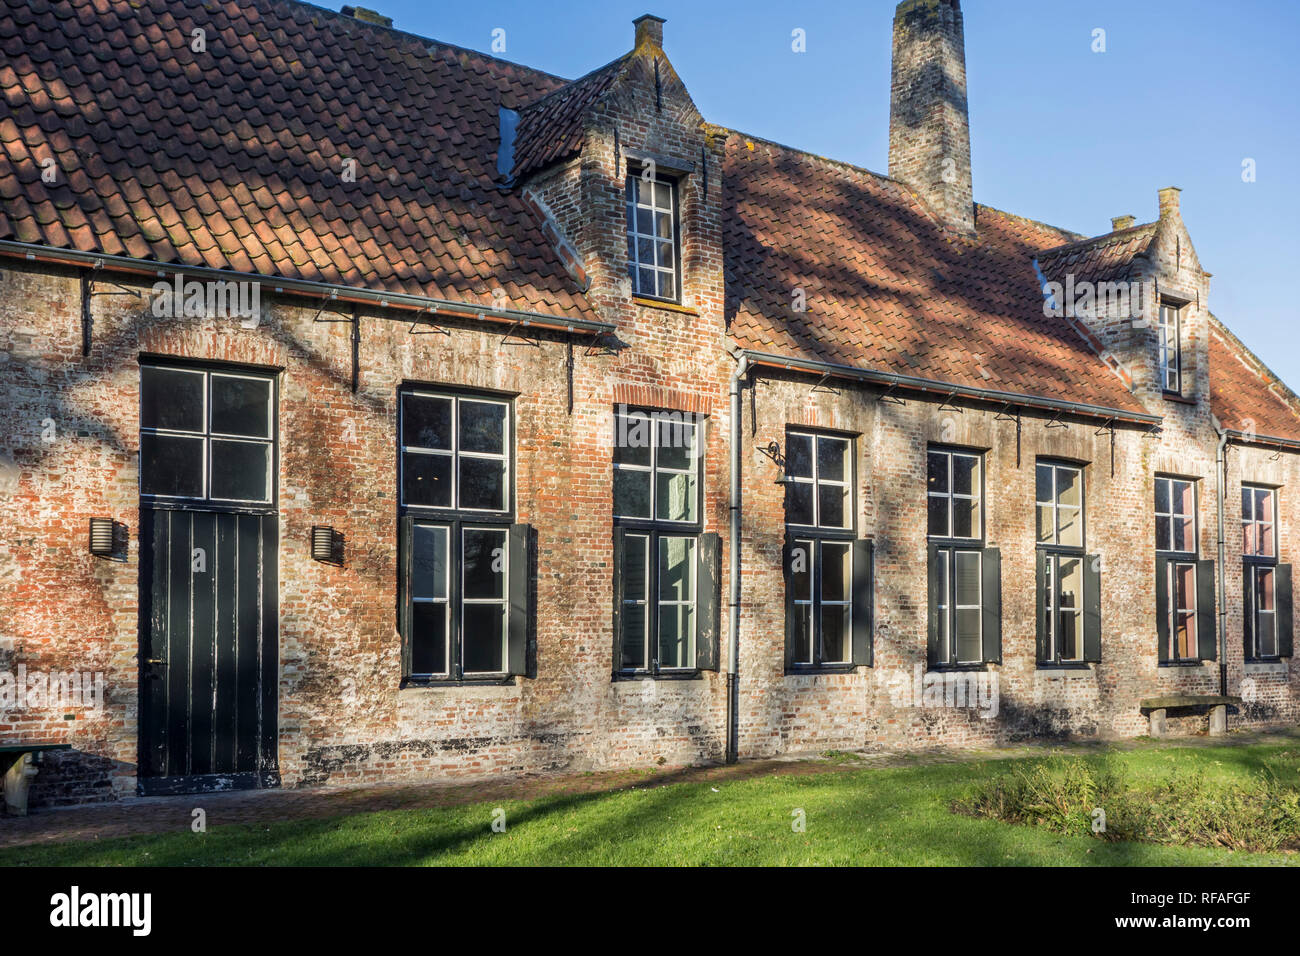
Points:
(652, 237)
(1171, 348)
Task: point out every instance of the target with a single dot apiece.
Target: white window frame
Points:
(692, 563)
(636, 182)
(503, 602)
(654, 469)
(1256, 613)
(455, 453)
(976, 496)
(817, 480)
(1171, 356)
(445, 530)
(1056, 507)
(1270, 523)
(1172, 481)
(648, 577)
(1052, 566)
(205, 436)
(948, 607)
(1175, 612)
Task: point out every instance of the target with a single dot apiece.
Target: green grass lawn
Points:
(894, 816)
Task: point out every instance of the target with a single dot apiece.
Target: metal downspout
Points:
(733, 621)
(1221, 488)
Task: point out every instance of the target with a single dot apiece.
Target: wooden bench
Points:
(1157, 708)
(18, 765)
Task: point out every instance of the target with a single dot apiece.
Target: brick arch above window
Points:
(658, 396)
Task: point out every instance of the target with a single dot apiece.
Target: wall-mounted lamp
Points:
(101, 536)
(773, 451)
(326, 544)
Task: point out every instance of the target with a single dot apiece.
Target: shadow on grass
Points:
(875, 816)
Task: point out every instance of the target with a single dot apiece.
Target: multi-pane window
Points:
(964, 575)
(662, 605)
(953, 488)
(1259, 522)
(1171, 348)
(818, 473)
(1068, 579)
(463, 558)
(1266, 584)
(454, 452)
(827, 570)
(206, 436)
(652, 260)
(1184, 584)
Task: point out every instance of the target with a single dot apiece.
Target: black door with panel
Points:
(209, 566)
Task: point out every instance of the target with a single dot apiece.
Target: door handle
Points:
(157, 660)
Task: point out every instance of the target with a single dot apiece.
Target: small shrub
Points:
(1185, 809)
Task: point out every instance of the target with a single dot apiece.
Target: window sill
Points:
(813, 670)
(415, 683)
(1186, 663)
(957, 668)
(1177, 397)
(1267, 665)
(630, 676)
(663, 304)
(1065, 667)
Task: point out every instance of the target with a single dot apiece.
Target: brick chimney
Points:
(649, 29)
(929, 127)
(1120, 223)
(1169, 202)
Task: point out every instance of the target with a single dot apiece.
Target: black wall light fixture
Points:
(773, 451)
(326, 544)
(101, 536)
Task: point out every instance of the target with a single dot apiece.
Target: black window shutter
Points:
(932, 632)
(1162, 608)
(707, 601)
(1092, 608)
(863, 581)
(404, 536)
(787, 571)
(1282, 581)
(1207, 637)
(618, 601)
(521, 578)
(1247, 612)
(992, 565)
(1040, 615)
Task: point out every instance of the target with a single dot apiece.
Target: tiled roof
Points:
(887, 289)
(551, 128)
(1244, 395)
(234, 158)
(1107, 258)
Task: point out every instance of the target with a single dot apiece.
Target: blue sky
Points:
(1186, 90)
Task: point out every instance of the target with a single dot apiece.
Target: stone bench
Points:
(18, 765)
(1157, 708)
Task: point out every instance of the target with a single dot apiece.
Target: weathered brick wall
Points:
(70, 440)
(1270, 691)
(342, 714)
(803, 711)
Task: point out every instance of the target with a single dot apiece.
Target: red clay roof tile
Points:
(160, 129)
(1245, 395)
(886, 288)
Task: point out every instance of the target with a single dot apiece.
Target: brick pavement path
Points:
(146, 815)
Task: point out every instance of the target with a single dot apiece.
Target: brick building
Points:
(454, 418)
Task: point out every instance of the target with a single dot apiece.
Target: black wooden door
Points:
(209, 650)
